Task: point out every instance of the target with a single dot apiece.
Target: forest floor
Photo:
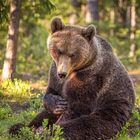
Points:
(21, 100)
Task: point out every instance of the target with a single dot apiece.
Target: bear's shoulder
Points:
(103, 43)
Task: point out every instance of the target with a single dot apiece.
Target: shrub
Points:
(5, 112)
(15, 88)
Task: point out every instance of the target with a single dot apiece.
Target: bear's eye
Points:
(73, 55)
(58, 51)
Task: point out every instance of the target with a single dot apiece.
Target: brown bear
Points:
(96, 95)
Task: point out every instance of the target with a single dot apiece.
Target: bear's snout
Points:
(62, 75)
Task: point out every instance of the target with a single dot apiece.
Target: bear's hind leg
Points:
(103, 124)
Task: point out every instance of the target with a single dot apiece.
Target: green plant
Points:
(57, 133)
(52, 133)
(27, 134)
(16, 88)
(5, 112)
(131, 130)
(36, 103)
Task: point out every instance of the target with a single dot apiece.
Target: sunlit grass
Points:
(137, 89)
(16, 89)
(22, 92)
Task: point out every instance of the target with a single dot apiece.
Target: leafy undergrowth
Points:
(20, 102)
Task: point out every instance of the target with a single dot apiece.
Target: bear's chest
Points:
(80, 88)
(81, 94)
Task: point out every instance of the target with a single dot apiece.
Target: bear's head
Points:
(71, 47)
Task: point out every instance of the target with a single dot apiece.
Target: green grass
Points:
(13, 95)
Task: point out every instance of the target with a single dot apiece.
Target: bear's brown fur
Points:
(91, 79)
(97, 87)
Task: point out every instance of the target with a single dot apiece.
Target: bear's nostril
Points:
(62, 75)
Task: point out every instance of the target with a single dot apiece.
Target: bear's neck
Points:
(95, 62)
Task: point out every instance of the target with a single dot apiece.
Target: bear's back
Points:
(103, 43)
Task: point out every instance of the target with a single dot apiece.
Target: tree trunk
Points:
(112, 20)
(121, 7)
(92, 11)
(72, 19)
(132, 30)
(83, 11)
(9, 67)
(128, 16)
(76, 3)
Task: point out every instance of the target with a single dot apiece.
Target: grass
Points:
(20, 101)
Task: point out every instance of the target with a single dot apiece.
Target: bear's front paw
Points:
(55, 104)
(60, 107)
(15, 129)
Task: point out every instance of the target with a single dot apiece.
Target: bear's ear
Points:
(56, 25)
(89, 32)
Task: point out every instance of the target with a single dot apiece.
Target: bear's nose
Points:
(62, 75)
